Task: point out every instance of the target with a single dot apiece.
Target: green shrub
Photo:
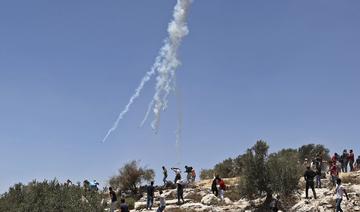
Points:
(49, 196)
(264, 175)
(310, 151)
(206, 174)
(131, 176)
(284, 171)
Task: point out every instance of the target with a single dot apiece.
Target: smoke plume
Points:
(165, 66)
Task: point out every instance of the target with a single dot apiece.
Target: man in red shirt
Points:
(334, 173)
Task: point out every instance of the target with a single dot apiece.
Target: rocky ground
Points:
(198, 197)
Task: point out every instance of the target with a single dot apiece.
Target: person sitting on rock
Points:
(309, 176)
(340, 191)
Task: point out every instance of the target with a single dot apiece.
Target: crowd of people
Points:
(316, 169)
(338, 163)
(150, 190)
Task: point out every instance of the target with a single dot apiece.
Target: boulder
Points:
(210, 199)
(228, 201)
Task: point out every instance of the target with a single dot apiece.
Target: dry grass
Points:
(350, 177)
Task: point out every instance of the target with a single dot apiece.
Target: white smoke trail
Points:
(177, 31)
(147, 113)
(180, 122)
(165, 64)
(135, 95)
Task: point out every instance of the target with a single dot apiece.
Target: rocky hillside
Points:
(198, 197)
(325, 201)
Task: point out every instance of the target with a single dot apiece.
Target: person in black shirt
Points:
(358, 163)
(345, 161)
(150, 195)
(113, 199)
(165, 175)
(123, 206)
(318, 175)
(188, 170)
(214, 188)
(309, 176)
(180, 191)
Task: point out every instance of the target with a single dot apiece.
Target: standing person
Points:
(94, 185)
(162, 202)
(165, 174)
(335, 157)
(345, 162)
(318, 175)
(334, 173)
(340, 191)
(150, 195)
(351, 159)
(306, 163)
(309, 179)
(177, 174)
(113, 199)
(188, 171)
(68, 183)
(319, 157)
(193, 175)
(214, 189)
(180, 191)
(358, 163)
(222, 188)
(123, 206)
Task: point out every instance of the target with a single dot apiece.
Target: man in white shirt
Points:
(339, 191)
(162, 202)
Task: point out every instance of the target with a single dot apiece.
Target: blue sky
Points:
(285, 71)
